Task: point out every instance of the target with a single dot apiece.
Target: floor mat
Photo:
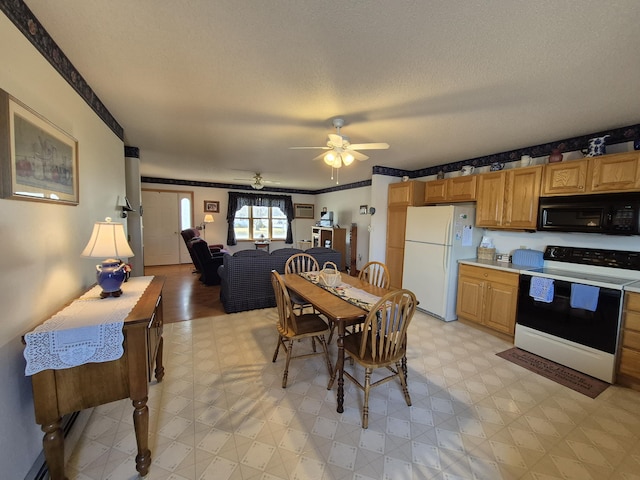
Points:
(578, 381)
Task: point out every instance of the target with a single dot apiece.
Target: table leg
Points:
(141, 427)
(340, 367)
(53, 445)
(159, 371)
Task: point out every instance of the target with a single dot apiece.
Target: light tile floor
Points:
(221, 413)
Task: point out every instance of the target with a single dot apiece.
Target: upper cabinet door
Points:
(490, 199)
(565, 178)
(406, 193)
(615, 173)
(462, 189)
(435, 191)
(521, 199)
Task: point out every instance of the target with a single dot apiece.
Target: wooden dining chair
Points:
(375, 273)
(300, 262)
(382, 343)
(292, 327)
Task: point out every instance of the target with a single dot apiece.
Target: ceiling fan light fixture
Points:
(257, 184)
(330, 159)
(347, 159)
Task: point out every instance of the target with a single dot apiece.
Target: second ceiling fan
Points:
(342, 151)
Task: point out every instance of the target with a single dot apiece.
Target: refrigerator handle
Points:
(448, 230)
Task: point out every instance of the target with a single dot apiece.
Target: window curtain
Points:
(237, 200)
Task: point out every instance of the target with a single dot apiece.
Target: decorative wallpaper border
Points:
(233, 186)
(18, 12)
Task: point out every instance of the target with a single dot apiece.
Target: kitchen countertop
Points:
(504, 266)
(633, 287)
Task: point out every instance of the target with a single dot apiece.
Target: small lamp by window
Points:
(208, 218)
(109, 240)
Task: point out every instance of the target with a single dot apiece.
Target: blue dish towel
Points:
(584, 296)
(541, 289)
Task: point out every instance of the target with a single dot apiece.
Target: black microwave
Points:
(613, 214)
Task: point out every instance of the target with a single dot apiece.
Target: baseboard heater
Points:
(39, 470)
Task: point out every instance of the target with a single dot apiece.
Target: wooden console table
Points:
(60, 392)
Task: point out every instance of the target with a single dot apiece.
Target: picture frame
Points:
(363, 210)
(38, 160)
(303, 210)
(212, 206)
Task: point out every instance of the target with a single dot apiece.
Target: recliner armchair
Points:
(188, 235)
(206, 261)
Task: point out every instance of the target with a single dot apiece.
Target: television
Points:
(326, 219)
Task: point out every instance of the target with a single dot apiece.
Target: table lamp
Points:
(108, 240)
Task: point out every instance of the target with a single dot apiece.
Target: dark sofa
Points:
(245, 277)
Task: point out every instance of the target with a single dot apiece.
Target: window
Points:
(253, 223)
(185, 213)
(259, 214)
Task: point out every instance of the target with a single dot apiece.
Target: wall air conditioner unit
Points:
(303, 210)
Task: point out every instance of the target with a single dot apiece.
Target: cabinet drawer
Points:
(632, 321)
(630, 362)
(633, 302)
(631, 339)
(491, 274)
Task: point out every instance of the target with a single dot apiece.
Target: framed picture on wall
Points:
(211, 206)
(38, 160)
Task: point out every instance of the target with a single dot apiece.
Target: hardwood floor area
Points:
(185, 297)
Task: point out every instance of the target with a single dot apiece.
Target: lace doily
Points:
(88, 330)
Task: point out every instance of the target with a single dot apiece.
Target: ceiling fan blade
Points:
(309, 148)
(336, 140)
(357, 155)
(369, 146)
(320, 157)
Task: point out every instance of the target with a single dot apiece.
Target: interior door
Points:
(161, 228)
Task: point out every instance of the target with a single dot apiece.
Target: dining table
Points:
(338, 310)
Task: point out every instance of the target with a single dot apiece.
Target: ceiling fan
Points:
(258, 181)
(342, 151)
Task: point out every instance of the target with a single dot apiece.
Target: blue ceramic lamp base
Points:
(110, 276)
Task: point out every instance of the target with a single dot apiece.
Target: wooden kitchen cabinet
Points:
(508, 199)
(565, 178)
(629, 361)
(615, 173)
(455, 189)
(401, 195)
(406, 193)
(618, 172)
(488, 297)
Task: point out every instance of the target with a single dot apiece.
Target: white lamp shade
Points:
(329, 158)
(347, 159)
(208, 218)
(108, 241)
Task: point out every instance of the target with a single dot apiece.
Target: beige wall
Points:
(41, 242)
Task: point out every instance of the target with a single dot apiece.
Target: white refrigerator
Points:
(435, 239)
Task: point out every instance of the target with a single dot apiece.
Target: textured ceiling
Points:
(216, 90)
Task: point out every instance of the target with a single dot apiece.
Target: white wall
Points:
(378, 235)
(41, 242)
(345, 205)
